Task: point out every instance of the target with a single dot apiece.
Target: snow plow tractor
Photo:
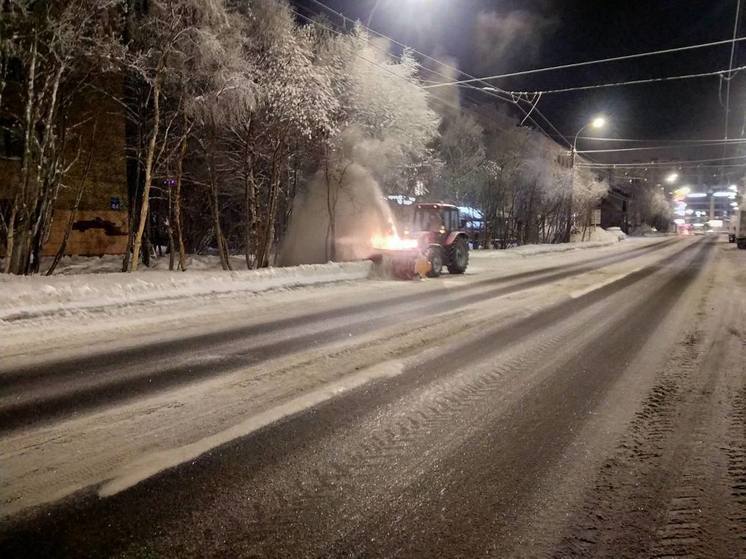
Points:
(434, 240)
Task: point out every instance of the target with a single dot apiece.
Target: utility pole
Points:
(597, 122)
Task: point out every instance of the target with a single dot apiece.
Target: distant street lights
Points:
(672, 178)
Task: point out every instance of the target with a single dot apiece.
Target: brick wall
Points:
(94, 233)
(105, 182)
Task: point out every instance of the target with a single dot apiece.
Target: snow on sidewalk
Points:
(92, 283)
(534, 250)
(27, 297)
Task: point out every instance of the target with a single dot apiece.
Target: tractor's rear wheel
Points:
(435, 255)
(458, 256)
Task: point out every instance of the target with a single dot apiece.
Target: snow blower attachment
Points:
(436, 240)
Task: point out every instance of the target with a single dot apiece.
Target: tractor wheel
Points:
(458, 256)
(435, 255)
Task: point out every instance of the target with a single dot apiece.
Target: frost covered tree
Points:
(219, 94)
(385, 101)
(180, 55)
(507, 148)
(588, 189)
(384, 127)
(295, 104)
(232, 109)
(463, 156)
(655, 209)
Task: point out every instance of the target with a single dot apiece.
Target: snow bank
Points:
(26, 297)
(594, 234)
(533, 250)
(594, 238)
(645, 230)
(113, 263)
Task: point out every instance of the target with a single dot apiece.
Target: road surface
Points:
(579, 405)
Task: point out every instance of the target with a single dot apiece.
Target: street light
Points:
(672, 178)
(597, 122)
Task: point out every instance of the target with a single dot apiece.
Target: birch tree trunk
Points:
(10, 240)
(149, 157)
(331, 230)
(269, 228)
(78, 197)
(176, 210)
(215, 204)
(19, 226)
(251, 221)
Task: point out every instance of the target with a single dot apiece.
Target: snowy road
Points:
(587, 404)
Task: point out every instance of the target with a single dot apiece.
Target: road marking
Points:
(151, 464)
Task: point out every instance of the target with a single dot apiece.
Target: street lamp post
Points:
(597, 122)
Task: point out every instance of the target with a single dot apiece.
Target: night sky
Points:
(498, 36)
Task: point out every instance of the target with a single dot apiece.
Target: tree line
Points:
(232, 109)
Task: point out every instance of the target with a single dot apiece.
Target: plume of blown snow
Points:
(351, 195)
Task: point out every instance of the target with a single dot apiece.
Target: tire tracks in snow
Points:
(36, 395)
(346, 489)
(61, 368)
(676, 485)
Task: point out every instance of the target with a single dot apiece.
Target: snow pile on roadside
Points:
(111, 263)
(25, 297)
(645, 230)
(533, 250)
(594, 234)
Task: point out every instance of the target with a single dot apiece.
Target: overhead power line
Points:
(732, 169)
(660, 147)
(630, 82)
(589, 62)
(653, 140)
(665, 163)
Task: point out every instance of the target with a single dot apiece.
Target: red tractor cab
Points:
(440, 232)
